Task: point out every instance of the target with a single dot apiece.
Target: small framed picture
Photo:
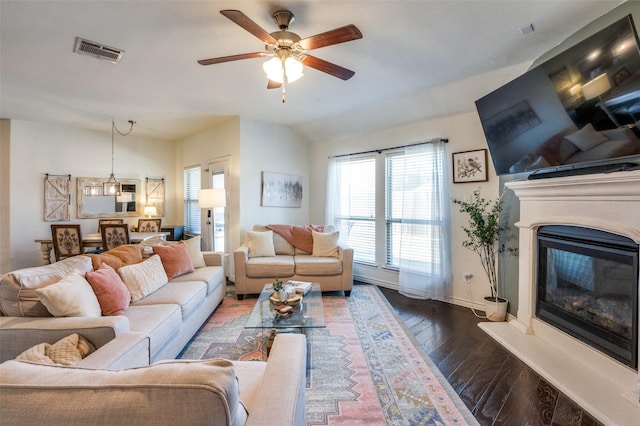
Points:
(470, 166)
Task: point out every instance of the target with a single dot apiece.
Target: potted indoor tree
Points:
(483, 233)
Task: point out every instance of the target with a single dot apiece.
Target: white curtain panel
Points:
(425, 253)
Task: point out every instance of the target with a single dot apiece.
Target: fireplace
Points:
(587, 287)
(604, 209)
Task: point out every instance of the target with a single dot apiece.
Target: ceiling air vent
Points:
(97, 50)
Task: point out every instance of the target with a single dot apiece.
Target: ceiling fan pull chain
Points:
(284, 92)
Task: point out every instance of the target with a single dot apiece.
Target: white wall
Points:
(272, 148)
(220, 141)
(252, 146)
(464, 132)
(37, 149)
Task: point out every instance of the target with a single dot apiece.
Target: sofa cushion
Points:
(66, 351)
(112, 293)
(213, 276)
(72, 296)
(126, 254)
(586, 138)
(325, 244)
(160, 322)
(175, 259)
(317, 266)
(269, 267)
(144, 278)
(187, 295)
(166, 393)
(260, 244)
(280, 245)
(17, 289)
(195, 252)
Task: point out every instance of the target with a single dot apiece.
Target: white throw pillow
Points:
(260, 244)
(72, 296)
(586, 138)
(193, 247)
(144, 278)
(325, 244)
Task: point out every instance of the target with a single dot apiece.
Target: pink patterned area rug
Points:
(365, 368)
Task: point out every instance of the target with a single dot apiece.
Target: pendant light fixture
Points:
(112, 186)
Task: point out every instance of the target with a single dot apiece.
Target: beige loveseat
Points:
(212, 392)
(169, 316)
(333, 273)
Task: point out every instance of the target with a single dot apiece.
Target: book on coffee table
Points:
(302, 287)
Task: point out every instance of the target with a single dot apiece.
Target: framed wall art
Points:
(57, 198)
(281, 190)
(470, 166)
(154, 188)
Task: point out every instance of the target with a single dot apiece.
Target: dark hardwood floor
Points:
(495, 385)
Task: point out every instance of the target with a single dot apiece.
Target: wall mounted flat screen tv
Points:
(577, 111)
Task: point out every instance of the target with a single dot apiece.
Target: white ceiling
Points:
(417, 60)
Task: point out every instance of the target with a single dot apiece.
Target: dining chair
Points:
(67, 240)
(149, 225)
(114, 235)
(108, 222)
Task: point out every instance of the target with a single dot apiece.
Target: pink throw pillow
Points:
(112, 293)
(175, 259)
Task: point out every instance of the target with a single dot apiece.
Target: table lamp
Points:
(150, 211)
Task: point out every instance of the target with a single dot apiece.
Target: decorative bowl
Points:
(293, 300)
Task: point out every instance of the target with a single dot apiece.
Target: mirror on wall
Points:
(92, 204)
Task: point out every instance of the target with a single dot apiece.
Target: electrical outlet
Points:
(468, 276)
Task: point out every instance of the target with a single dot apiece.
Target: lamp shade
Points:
(150, 211)
(596, 87)
(211, 198)
(124, 197)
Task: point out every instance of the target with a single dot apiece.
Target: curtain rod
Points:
(443, 140)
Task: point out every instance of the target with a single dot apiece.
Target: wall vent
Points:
(97, 50)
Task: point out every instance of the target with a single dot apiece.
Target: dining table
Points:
(95, 240)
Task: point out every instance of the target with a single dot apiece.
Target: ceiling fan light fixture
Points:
(275, 69)
(293, 69)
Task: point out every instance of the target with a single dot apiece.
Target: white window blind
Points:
(192, 176)
(355, 206)
(411, 222)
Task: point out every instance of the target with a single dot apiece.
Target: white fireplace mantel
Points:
(609, 202)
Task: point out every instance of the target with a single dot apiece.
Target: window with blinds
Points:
(409, 208)
(355, 206)
(192, 176)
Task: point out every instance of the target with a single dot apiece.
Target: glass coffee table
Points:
(308, 314)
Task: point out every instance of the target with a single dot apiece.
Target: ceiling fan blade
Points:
(338, 35)
(231, 58)
(245, 22)
(328, 67)
(273, 84)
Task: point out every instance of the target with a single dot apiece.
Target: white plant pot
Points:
(495, 310)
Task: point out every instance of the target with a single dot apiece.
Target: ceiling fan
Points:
(288, 51)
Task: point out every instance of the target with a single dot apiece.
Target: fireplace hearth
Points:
(606, 384)
(588, 288)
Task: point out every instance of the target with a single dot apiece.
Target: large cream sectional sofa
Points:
(131, 378)
(333, 273)
(169, 316)
(212, 392)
